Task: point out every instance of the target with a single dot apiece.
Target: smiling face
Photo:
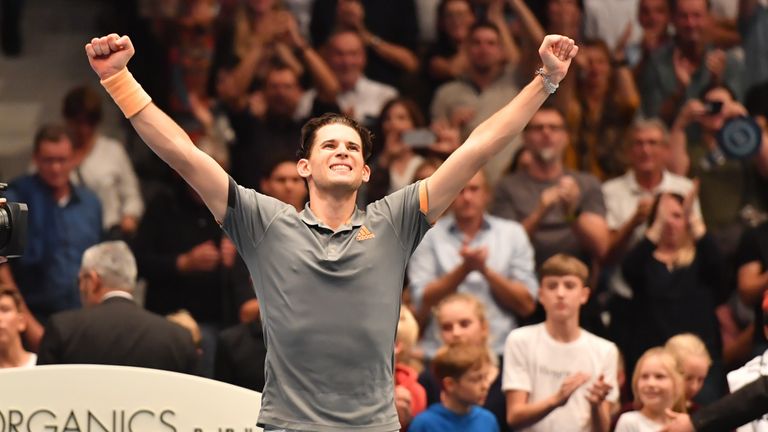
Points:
(655, 384)
(335, 160)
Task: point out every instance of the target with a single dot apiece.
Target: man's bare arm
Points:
(490, 137)
(109, 56)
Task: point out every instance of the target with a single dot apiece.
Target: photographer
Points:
(730, 166)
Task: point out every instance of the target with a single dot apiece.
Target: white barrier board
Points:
(95, 398)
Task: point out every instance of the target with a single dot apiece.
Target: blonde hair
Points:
(475, 303)
(564, 265)
(183, 318)
(684, 345)
(407, 329)
(670, 364)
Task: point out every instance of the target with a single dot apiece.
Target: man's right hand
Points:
(108, 55)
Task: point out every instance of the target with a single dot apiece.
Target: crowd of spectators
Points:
(640, 168)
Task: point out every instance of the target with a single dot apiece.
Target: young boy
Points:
(12, 325)
(558, 376)
(461, 370)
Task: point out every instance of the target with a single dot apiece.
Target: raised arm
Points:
(108, 57)
(490, 137)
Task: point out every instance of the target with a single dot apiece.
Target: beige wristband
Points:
(126, 92)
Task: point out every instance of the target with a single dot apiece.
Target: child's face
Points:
(655, 386)
(695, 369)
(562, 296)
(459, 323)
(472, 387)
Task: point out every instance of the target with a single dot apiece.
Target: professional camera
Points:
(13, 227)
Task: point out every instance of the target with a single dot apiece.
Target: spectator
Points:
(13, 324)
(694, 361)
(103, 165)
(487, 84)
(752, 277)
(561, 210)
(188, 263)
(461, 370)
(753, 25)
(729, 187)
(473, 252)
(614, 22)
(65, 221)
(388, 30)
(461, 319)
(410, 397)
(447, 57)
(271, 132)
(284, 183)
(654, 18)
(558, 376)
(677, 279)
(600, 103)
(658, 387)
(360, 97)
(397, 161)
(112, 329)
(680, 71)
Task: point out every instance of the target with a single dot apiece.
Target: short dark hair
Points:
(551, 108)
(480, 24)
(50, 132)
(309, 132)
(82, 103)
(673, 5)
(453, 361)
(6, 291)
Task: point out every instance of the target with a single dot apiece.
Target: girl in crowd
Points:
(694, 361)
(658, 386)
(461, 320)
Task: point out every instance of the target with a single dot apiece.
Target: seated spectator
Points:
(359, 97)
(693, 361)
(183, 318)
(729, 187)
(681, 70)
(658, 387)
(410, 397)
(599, 103)
(103, 165)
(397, 161)
(65, 220)
(470, 251)
(388, 30)
(112, 329)
(558, 376)
(485, 87)
(677, 279)
(13, 324)
(561, 210)
(461, 371)
(461, 319)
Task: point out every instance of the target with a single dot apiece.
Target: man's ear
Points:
(302, 166)
(585, 292)
(366, 173)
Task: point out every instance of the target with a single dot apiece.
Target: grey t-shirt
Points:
(517, 196)
(330, 304)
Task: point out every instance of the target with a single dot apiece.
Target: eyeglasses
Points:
(541, 127)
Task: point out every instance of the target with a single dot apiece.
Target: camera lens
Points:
(5, 226)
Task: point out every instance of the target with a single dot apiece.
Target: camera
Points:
(713, 107)
(13, 227)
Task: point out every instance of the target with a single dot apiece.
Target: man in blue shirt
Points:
(64, 220)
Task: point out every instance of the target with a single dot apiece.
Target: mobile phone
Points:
(419, 138)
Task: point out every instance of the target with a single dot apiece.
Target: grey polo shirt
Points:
(330, 304)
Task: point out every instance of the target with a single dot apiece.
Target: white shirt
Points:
(744, 375)
(364, 100)
(634, 421)
(607, 20)
(536, 363)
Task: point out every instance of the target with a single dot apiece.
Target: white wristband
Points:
(549, 86)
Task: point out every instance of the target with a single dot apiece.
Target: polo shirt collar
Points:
(309, 218)
(454, 228)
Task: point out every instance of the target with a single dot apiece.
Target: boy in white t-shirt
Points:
(558, 376)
